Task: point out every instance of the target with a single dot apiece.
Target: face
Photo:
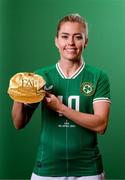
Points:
(71, 41)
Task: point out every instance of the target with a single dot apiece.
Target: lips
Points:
(70, 50)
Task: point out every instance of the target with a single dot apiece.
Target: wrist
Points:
(62, 109)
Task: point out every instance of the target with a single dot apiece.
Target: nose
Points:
(71, 41)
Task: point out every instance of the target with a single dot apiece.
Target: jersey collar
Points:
(60, 71)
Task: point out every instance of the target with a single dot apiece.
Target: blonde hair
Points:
(73, 18)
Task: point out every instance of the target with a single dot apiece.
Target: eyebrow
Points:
(68, 33)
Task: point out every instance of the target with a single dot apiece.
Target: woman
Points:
(74, 110)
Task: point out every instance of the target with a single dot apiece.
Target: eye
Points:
(64, 37)
(79, 37)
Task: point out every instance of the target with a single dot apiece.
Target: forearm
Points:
(89, 121)
(19, 115)
(96, 122)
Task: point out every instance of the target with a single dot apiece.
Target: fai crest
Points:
(87, 88)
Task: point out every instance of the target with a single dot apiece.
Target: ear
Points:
(86, 42)
(56, 41)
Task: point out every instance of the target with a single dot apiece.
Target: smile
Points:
(71, 50)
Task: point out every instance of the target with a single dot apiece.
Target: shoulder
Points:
(46, 71)
(95, 71)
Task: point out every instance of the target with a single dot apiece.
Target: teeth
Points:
(70, 50)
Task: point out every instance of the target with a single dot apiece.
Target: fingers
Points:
(48, 99)
(49, 95)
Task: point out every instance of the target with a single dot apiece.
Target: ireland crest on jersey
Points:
(87, 88)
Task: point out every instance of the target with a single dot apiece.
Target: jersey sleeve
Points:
(102, 92)
(31, 105)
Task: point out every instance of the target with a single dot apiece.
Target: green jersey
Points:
(67, 149)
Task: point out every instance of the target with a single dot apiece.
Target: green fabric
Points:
(66, 149)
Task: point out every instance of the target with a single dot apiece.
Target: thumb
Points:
(48, 99)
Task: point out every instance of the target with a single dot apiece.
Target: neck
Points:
(70, 67)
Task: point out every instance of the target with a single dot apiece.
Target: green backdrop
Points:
(27, 30)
